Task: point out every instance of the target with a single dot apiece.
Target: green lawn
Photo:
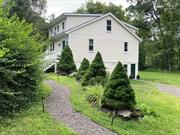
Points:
(166, 108)
(32, 121)
(161, 77)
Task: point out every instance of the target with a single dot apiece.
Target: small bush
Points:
(118, 93)
(146, 110)
(66, 63)
(138, 77)
(96, 73)
(83, 69)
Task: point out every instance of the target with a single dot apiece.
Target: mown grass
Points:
(167, 109)
(161, 77)
(32, 121)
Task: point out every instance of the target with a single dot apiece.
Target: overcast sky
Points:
(57, 7)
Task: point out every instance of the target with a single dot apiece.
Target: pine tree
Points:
(96, 73)
(83, 69)
(118, 93)
(66, 63)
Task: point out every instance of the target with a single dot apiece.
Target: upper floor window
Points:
(52, 47)
(91, 44)
(125, 46)
(63, 25)
(108, 25)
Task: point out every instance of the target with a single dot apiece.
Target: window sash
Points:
(108, 28)
(91, 45)
(125, 46)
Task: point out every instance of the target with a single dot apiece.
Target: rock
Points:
(73, 74)
(125, 113)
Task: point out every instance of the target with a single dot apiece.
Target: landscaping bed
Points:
(161, 111)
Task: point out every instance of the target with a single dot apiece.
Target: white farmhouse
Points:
(86, 34)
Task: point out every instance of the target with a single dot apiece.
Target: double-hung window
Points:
(63, 44)
(52, 47)
(125, 46)
(91, 45)
(63, 25)
(108, 25)
(125, 67)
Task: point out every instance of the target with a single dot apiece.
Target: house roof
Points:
(123, 24)
(64, 15)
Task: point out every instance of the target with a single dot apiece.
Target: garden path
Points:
(59, 106)
(172, 90)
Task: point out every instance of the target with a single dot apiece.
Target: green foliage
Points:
(83, 69)
(94, 95)
(31, 121)
(20, 66)
(66, 63)
(161, 77)
(166, 107)
(31, 11)
(96, 73)
(159, 27)
(118, 93)
(102, 8)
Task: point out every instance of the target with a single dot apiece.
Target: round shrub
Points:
(118, 93)
(66, 63)
(96, 73)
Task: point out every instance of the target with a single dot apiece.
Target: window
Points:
(125, 68)
(125, 46)
(108, 25)
(52, 47)
(91, 45)
(57, 28)
(63, 25)
(63, 44)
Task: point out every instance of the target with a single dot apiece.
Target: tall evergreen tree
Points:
(66, 62)
(118, 93)
(96, 73)
(83, 69)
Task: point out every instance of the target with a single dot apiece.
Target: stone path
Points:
(59, 106)
(172, 90)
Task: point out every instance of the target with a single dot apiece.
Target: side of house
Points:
(114, 39)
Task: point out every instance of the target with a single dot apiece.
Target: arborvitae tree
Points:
(118, 93)
(96, 73)
(66, 63)
(83, 69)
(20, 64)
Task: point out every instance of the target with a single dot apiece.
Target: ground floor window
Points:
(52, 47)
(125, 68)
(63, 44)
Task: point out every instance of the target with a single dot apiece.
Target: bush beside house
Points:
(96, 73)
(66, 63)
(20, 65)
(83, 69)
(118, 93)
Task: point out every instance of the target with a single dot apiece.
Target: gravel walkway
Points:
(59, 106)
(172, 90)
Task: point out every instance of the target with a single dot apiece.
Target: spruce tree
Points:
(118, 93)
(96, 73)
(66, 63)
(83, 69)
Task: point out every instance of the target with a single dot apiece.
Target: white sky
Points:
(58, 7)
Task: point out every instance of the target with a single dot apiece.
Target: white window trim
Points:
(127, 48)
(91, 51)
(108, 31)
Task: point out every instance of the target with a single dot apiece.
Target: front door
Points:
(133, 67)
